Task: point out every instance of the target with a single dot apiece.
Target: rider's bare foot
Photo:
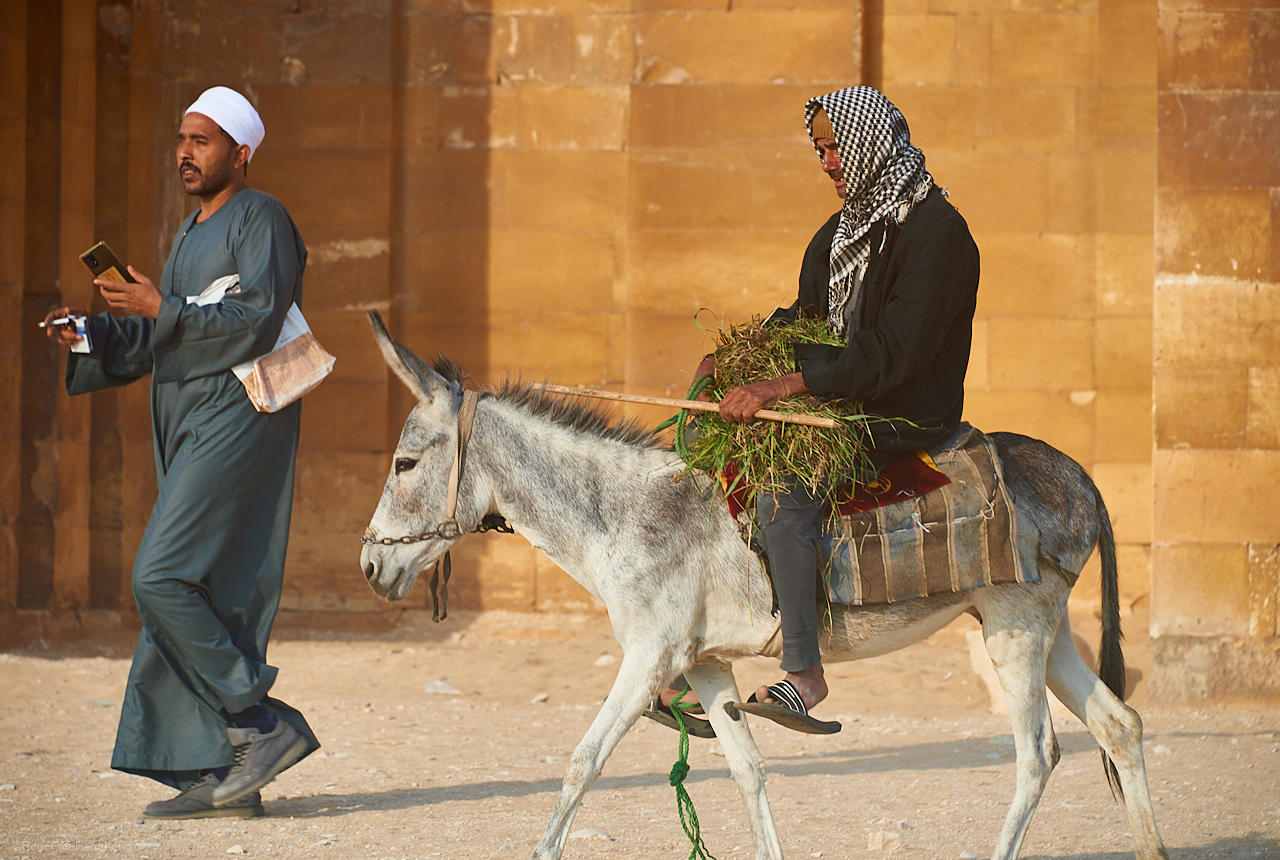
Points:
(810, 683)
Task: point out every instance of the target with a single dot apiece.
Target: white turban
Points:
(234, 114)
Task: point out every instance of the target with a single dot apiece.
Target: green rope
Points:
(679, 770)
(681, 418)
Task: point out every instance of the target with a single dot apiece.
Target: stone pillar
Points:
(13, 128)
(78, 133)
(39, 378)
(150, 123)
(1217, 356)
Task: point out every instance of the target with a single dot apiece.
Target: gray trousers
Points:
(791, 524)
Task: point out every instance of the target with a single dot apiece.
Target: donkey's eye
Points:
(404, 464)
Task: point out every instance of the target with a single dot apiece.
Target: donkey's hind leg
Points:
(714, 684)
(640, 676)
(1118, 730)
(1018, 652)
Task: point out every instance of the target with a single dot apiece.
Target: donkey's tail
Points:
(1111, 656)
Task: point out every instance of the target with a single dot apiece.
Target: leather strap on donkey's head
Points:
(411, 369)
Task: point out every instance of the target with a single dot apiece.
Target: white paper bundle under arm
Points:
(213, 293)
(297, 363)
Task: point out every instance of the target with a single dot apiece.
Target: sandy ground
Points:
(408, 773)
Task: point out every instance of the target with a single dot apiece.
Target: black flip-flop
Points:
(696, 726)
(791, 713)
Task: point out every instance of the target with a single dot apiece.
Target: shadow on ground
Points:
(1253, 846)
(967, 754)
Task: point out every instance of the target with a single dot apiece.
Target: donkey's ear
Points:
(425, 383)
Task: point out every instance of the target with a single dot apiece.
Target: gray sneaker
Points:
(197, 802)
(259, 759)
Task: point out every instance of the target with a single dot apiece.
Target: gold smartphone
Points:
(105, 265)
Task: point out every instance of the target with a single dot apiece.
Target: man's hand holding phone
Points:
(131, 299)
(126, 290)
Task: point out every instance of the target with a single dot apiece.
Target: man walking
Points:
(207, 577)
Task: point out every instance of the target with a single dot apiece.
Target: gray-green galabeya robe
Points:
(207, 577)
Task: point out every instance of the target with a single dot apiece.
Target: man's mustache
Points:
(187, 164)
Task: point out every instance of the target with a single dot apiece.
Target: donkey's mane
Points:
(576, 414)
(450, 371)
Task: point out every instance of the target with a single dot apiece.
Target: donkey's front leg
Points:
(640, 676)
(714, 684)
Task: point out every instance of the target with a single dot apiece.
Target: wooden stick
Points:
(695, 405)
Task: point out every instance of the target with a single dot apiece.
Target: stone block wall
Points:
(553, 189)
(1217, 349)
(1040, 120)
(550, 190)
(98, 87)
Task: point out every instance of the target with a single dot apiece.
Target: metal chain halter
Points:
(449, 529)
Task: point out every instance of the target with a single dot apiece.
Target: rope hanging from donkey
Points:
(679, 770)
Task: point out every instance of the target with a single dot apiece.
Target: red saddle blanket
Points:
(905, 477)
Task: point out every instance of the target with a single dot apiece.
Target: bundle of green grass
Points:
(764, 454)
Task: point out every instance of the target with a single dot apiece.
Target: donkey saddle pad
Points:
(962, 535)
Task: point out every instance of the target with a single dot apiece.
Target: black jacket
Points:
(908, 354)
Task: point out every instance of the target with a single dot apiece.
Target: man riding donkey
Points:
(895, 275)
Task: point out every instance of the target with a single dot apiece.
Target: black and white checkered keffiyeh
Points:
(884, 177)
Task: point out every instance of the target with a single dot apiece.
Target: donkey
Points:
(684, 594)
